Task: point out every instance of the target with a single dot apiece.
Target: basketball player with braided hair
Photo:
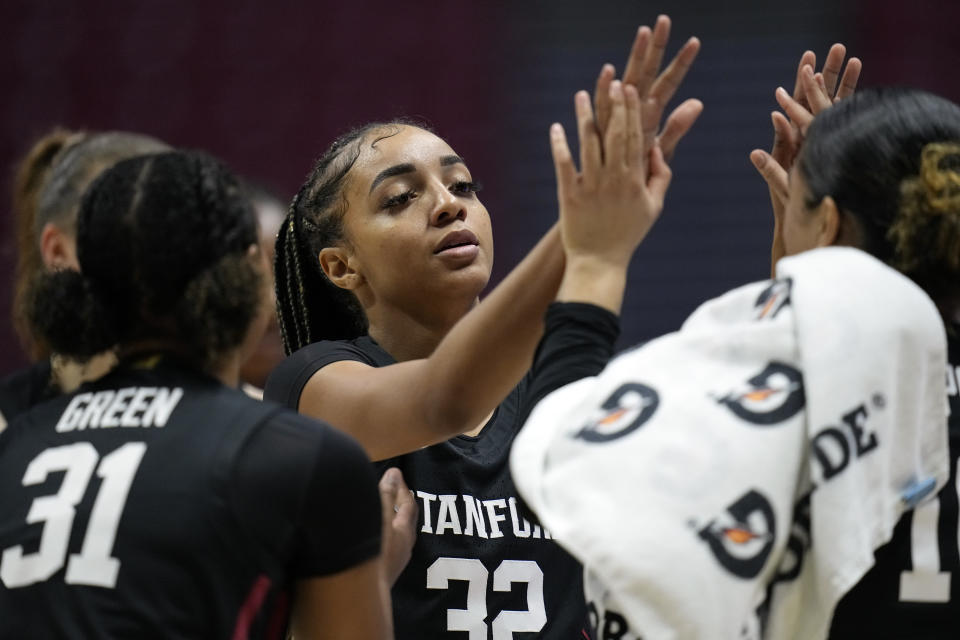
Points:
(379, 266)
(49, 183)
(215, 515)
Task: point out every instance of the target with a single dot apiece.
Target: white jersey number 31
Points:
(93, 565)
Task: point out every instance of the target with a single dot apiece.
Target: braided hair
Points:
(163, 243)
(50, 181)
(309, 306)
(890, 157)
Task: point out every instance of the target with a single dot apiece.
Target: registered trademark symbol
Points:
(878, 401)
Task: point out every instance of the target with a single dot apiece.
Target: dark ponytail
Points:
(309, 306)
(890, 158)
(72, 319)
(163, 243)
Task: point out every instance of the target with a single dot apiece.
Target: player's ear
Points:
(58, 249)
(828, 229)
(341, 267)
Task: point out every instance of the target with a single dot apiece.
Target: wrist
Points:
(593, 280)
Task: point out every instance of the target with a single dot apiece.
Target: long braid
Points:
(291, 302)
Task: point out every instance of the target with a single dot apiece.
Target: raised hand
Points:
(654, 91)
(607, 208)
(812, 93)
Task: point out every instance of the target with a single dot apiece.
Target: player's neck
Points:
(407, 335)
(227, 370)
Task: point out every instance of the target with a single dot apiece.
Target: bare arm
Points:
(402, 407)
(350, 605)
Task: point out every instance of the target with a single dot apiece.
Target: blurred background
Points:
(267, 85)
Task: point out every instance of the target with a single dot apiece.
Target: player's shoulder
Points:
(25, 388)
(286, 382)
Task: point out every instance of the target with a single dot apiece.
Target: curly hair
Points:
(890, 157)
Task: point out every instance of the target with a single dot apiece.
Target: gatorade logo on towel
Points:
(742, 538)
(768, 398)
(625, 411)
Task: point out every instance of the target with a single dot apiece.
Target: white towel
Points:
(732, 479)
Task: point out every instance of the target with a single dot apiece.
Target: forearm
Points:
(487, 353)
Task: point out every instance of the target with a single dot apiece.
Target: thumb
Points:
(660, 177)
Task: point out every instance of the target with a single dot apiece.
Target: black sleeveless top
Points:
(482, 566)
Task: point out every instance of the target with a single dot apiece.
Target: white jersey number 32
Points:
(471, 619)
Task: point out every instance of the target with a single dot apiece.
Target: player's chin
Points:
(470, 279)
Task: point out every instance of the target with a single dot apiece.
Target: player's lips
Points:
(461, 239)
(458, 248)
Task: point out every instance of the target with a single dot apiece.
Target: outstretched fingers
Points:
(815, 89)
(832, 67)
(666, 85)
(644, 64)
(601, 96)
(808, 59)
(678, 124)
(786, 139)
(562, 160)
(591, 153)
(851, 75)
(797, 112)
(634, 153)
(615, 142)
(773, 173)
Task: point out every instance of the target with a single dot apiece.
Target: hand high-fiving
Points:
(655, 89)
(609, 205)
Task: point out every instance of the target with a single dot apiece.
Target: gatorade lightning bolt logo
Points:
(742, 537)
(625, 411)
(772, 396)
(774, 298)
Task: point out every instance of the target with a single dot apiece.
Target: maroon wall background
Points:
(266, 86)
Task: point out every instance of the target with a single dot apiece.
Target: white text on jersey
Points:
(128, 407)
(445, 517)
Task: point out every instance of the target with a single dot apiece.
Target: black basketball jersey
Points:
(482, 567)
(913, 590)
(158, 503)
(25, 388)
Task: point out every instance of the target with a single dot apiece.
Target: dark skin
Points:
(457, 359)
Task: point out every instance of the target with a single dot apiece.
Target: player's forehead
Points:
(400, 145)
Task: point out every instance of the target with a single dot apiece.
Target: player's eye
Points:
(398, 200)
(465, 188)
